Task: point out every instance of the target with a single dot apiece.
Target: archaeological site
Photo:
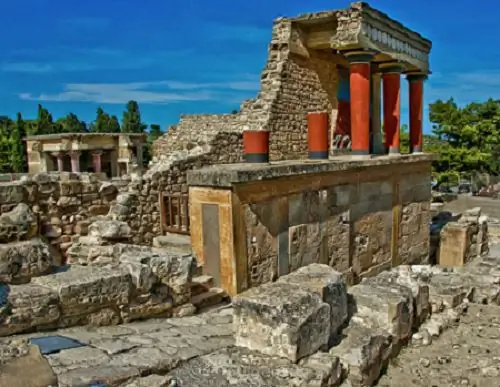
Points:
(289, 244)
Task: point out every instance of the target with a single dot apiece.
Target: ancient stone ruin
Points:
(284, 245)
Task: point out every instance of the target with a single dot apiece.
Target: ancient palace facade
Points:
(114, 154)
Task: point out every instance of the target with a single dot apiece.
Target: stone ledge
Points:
(226, 175)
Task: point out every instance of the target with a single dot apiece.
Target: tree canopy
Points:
(466, 138)
(12, 132)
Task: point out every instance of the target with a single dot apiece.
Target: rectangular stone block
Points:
(390, 308)
(281, 319)
(29, 306)
(87, 289)
(329, 285)
(20, 261)
(455, 245)
(364, 352)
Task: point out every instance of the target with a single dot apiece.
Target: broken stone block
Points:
(19, 224)
(364, 352)
(390, 308)
(28, 306)
(328, 284)
(176, 272)
(111, 230)
(140, 271)
(403, 275)
(87, 289)
(280, 319)
(20, 261)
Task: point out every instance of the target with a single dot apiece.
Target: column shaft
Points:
(96, 161)
(75, 161)
(392, 107)
(416, 91)
(359, 84)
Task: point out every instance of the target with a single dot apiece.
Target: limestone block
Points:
(140, 271)
(176, 272)
(390, 308)
(12, 193)
(455, 245)
(82, 290)
(404, 276)
(328, 284)
(29, 306)
(19, 224)
(20, 261)
(112, 230)
(364, 352)
(280, 319)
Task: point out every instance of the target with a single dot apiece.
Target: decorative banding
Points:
(257, 157)
(416, 77)
(317, 135)
(256, 146)
(318, 155)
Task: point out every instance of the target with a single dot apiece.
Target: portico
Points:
(372, 52)
(115, 154)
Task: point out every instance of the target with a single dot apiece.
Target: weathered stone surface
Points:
(83, 290)
(364, 352)
(20, 261)
(387, 307)
(111, 230)
(19, 224)
(328, 284)
(28, 306)
(281, 319)
(247, 369)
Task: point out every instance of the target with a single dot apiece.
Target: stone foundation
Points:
(254, 223)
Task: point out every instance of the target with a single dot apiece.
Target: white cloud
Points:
(26, 67)
(464, 87)
(161, 92)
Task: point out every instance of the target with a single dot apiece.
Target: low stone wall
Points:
(137, 286)
(63, 203)
(254, 223)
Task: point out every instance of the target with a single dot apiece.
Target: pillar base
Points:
(394, 151)
(318, 155)
(257, 157)
(417, 150)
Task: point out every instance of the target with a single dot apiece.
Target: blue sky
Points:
(195, 56)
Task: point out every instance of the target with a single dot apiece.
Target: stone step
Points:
(212, 297)
(177, 243)
(201, 284)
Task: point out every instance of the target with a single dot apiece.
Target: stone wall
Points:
(63, 204)
(359, 221)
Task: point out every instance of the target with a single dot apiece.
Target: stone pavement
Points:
(119, 355)
(459, 345)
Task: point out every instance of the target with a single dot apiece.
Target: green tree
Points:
(468, 137)
(17, 156)
(131, 122)
(153, 134)
(104, 123)
(44, 122)
(71, 124)
(5, 146)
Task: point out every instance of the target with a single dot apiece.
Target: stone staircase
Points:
(107, 281)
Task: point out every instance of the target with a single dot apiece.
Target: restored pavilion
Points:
(111, 153)
(370, 49)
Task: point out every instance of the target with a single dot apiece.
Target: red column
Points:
(416, 88)
(359, 84)
(391, 82)
(75, 161)
(96, 161)
(60, 161)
